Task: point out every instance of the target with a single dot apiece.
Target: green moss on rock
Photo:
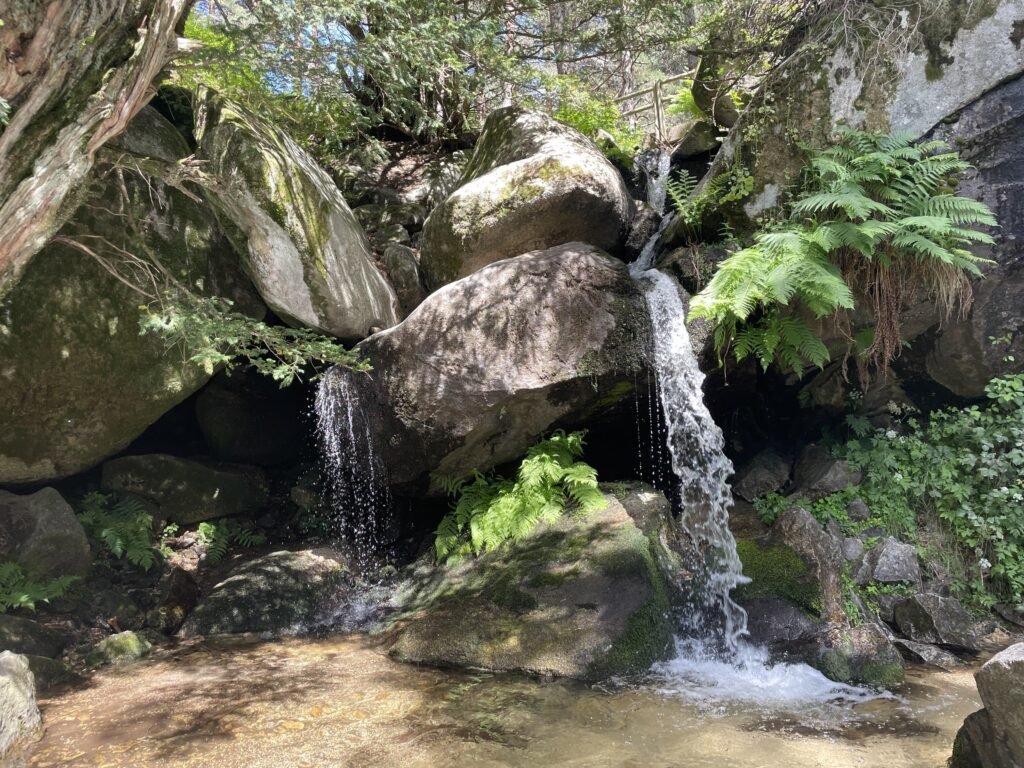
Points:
(776, 570)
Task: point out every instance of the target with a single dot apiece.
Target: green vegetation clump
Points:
(877, 215)
(490, 510)
(216, 337)
(965, 468)
(122, 528)
(778, 571)
(19, 591)
(218, 535)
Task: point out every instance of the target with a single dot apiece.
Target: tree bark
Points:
(75, 72)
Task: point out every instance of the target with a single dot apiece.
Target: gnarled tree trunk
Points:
(74, 72)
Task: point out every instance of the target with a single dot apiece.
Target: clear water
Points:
(356, 496)
(339, 702)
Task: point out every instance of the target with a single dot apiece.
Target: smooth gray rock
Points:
(853, 549)
(929, 618)
(488, 364)
(403, 267)
(187, 491)
(28, 637)
(304, 249)
(40, 532)
(532, 183)
(767, 472)
(928, 654)
(818, 474)
(890, 562)
(20, 722)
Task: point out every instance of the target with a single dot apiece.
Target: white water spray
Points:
(356, 492)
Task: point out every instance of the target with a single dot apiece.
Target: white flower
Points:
(1018, 497)
(891, 434)
(984, 564)
(898, 477)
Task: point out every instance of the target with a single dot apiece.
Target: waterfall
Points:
(357, 499)
(695, 444)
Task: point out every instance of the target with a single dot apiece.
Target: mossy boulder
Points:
(122, 648)
(187, 491)
(39, 532)
(77, 381)
(861, 655)
(531, 183)
(304, 249)
(277, 593)
(485, 366)
(585, 597)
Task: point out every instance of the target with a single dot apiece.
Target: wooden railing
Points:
(656, 104)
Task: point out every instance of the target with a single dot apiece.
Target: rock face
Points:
(305, 251)
(990, 135)
(20, 723)
(186, 491)
(40, 533)
(278, 592)
(994, 736)
(582, 598)
(77, 381)
(960, 53)
(532, 183)
(486, 365)
(929, 618)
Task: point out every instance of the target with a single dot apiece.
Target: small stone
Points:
(858, 511)
(929, 618)
(924, 653)
(853, 549)
(890, 562)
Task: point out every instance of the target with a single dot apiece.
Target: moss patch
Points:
(778, 571)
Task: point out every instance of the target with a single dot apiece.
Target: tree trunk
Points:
(75, 72)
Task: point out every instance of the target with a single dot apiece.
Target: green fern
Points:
(18, 591)
(489, 511)
(122, 527)
(218, 535)
(879, 215)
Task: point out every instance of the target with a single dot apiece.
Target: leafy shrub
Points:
(215, 336)
(122, 527)
(683, 103)
(218, 535)
(490, 510)
(18, 591)
(877, 219)
(964, 467)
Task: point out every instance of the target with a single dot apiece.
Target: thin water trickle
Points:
(357, 498)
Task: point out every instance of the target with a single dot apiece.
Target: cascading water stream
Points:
(714, 661)
(357, 497)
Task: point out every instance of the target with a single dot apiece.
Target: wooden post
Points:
(659, 114)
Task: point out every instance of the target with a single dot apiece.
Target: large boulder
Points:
(486, 365)
(40, 532)
(818, 474)
(929, 618)
(280, 592)
(891, 562)
(20, 723)
(305, 251)
(584, 597)
(532, 183)
(186, 491)
(994, 736)
(77, 381)
(767, 472)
